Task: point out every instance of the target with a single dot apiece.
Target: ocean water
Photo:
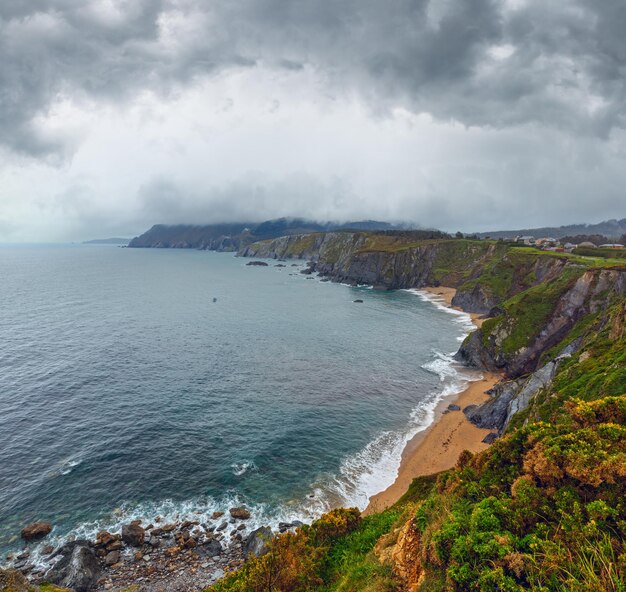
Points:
(127, 391)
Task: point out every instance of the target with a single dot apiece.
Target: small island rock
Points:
(36, 530)
(240, 513)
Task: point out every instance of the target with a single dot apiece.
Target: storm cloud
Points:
(489, 86)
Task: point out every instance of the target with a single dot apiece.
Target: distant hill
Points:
(609, 229)
(107, 241)
(230, 237)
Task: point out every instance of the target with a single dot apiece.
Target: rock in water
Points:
(258, 263)
(358, 301)
(133, 534)
(257, 542)
(240, 513)
(36, 530)
(78, 568)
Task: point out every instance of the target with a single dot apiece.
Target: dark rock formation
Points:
(239, 513)
(77, 567)
(493, 414)
(112, 557)
(133, 534)
(486, 348)
(258, 263)
(213, 547)
(257, 542)
(477, 300)
(36, 531)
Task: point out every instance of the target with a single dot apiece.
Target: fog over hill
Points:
(608, 228)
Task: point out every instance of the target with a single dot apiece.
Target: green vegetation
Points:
(603, 253)
(334, 553)
(527, 312)
(544, 508)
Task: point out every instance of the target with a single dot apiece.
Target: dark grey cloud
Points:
(566, 69)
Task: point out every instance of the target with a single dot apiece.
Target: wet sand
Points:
(438, 447)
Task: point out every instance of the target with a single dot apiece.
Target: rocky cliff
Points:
(534, 300)
(543, 506)
(485, 273)
(539, 319)
(233, 236)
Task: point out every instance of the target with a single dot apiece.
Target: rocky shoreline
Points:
(186, 556)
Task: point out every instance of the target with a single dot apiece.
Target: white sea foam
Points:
(375, 467)
(243, 467)
(360, 476)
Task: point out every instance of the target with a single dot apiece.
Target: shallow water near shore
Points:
(126, 391)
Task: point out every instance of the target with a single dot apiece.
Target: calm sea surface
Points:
(125, 390)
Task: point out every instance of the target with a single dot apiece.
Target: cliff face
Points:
(534, 300)
(218, 237)
(539, 319)
(387, 261)
(543, 507)
(485, 273)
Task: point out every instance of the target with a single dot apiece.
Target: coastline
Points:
(438, 447)
(168, 560)
(446, 295)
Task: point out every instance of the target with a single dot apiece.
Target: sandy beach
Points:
(447, 294)
(438, 447)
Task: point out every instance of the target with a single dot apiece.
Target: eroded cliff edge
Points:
(539, 305)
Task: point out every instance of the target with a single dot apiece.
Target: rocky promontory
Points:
(155, 556)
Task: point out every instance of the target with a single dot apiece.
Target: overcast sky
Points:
(465, 114)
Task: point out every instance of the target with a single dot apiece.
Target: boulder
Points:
(105, 538)
(490, 437)
(78, 567)
(239, 513)
(257, 263)
(257, 542)
(216, 515)
(453, 407)
(112, 557)
(358, 301)
(36, 530)
(133, 534)
(114, 546)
